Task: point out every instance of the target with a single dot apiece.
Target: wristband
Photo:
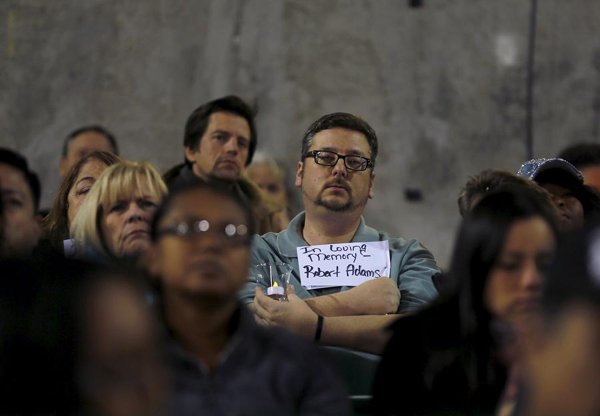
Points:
(319, 327)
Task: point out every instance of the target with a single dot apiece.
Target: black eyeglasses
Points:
(328, 158)
(227, 234)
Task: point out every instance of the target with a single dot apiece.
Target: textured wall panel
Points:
(444, 84)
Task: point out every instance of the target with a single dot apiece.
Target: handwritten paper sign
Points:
(348, 264)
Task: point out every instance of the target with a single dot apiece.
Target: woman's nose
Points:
(134, 212)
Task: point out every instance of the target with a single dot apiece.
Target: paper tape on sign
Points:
(349, 264)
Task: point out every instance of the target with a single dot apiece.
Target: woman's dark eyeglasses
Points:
(225, 234)
(328, 158)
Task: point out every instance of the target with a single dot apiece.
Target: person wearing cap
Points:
(20, 193)
(575, 201)
(563, 367)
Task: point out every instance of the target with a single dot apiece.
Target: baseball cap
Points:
(553, 169)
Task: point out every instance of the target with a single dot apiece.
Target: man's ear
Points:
(371, 185)
(62, 167)
(190, 154)
(298, 181)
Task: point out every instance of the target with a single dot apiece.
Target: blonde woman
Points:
(114, 221)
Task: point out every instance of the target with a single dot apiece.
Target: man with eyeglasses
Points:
(336, 176)
(222, 362)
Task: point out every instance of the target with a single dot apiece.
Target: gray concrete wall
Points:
(443, 85)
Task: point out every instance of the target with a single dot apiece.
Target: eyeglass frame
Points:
(186, 231)
(313, 153)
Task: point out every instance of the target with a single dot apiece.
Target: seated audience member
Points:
(488, 182)
(336, 176)
(77, 341)
(224, 362)
(71, 194)
(271, 177)
(491, 181)
(455, 356)
(84, 141)
(586, 158)
(219, 142)
(113, 223)
(20, 193)
(575, 201)
(562, 376)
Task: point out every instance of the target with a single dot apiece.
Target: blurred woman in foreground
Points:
(114, 221)
(562, 367)
(456, 355)
(77, 340)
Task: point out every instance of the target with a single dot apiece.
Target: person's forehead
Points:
(553, 187)
(92, 168)
(223, 120)
(205, 204)
(90, 140)
(265, 171)
(529, 232)
(342, 140)
(124, 192)
(13, 179)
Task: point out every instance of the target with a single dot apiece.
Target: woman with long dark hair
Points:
(71, 194)
(452, 357)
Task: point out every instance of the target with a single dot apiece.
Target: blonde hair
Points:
(118, 182)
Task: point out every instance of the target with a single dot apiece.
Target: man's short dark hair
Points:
(341, 121)
(19, 162)
(94, 128)
(197, 122)
(582, 155)
(493, 180)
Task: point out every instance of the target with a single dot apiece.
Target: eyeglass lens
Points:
(351, 162)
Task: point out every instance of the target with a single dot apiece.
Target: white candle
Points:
(275, 290)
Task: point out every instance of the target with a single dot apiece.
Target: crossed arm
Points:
(354, 319)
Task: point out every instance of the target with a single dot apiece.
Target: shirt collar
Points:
(291, 238)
